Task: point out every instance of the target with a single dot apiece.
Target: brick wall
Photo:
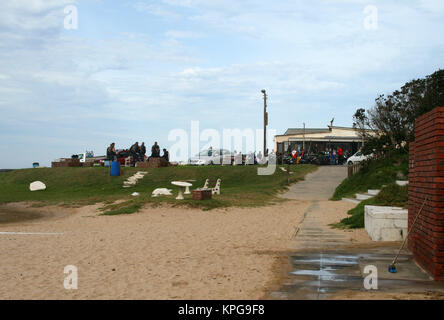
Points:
(426, 179)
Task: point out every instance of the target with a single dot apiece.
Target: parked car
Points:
(205, 157)
(358, 157)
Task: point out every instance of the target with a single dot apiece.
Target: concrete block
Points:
(363, 196)
(351, 200)
(386, 223)
(373, 192)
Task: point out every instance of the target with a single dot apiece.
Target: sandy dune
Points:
(158, 253)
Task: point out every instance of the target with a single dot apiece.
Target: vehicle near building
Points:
(358, 157)
(211, 156)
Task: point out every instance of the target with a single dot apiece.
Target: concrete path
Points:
(319, 185)
(317, 188)
(325, 264)
(313, 233)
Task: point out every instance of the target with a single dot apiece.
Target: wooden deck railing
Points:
(353, 168)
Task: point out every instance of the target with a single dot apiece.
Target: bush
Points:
(374, 174)
(391, 196)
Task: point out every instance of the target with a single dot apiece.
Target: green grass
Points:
(126, 207)
(391, 195)
(373, 175)
(241, 186)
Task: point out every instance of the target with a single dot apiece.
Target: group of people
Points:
(337, 156)
(295, 154)
(138, 152)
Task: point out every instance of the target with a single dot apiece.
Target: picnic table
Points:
(182, 185)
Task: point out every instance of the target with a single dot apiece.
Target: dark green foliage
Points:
(393, 116)
(392, 196)
(373, 175)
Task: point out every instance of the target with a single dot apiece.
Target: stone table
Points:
(182, 185)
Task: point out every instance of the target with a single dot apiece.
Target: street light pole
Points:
(303, 143)
(265, 122)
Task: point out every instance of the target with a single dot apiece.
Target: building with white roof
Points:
(314, 140)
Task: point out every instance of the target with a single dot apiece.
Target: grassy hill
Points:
(374, 175)
(391, 195)
(241, 186)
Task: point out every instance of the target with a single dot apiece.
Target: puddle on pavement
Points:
(324, 274)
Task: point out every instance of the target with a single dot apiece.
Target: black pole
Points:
(265, 122)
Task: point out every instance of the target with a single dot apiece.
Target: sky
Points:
(131, 71)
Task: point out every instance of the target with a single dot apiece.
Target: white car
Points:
(206, 157)
(358, 157)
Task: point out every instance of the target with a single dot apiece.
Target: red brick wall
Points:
(426, 179)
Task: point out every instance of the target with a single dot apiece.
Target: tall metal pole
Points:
(265, 121)
(303, 143)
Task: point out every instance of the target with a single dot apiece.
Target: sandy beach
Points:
(158, 253)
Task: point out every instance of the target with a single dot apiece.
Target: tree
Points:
(393, 116)
(361, 123)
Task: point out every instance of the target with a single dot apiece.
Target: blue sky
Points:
(135, 70)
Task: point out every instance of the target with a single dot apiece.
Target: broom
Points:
(392, 267)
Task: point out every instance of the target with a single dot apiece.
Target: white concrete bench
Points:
(216, 189)
(386, 223)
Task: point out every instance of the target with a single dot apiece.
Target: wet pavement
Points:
(325, 274)
(324, 263)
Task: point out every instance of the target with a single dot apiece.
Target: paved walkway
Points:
(323, 263)
(319, 185)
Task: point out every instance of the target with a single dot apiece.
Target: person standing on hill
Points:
(134, 151)
(166, 155)
(111, 152)
(155, 150)
(142, 152)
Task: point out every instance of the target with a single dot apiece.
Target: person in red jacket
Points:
(340, 156)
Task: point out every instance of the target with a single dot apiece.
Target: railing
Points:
(353, 168)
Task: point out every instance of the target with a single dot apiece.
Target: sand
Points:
(158, 253)
(163, 253)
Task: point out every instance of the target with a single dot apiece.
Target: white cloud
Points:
(32, 14)
(180, 34)
(151, 78)
(433, 6)
(156, 10)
